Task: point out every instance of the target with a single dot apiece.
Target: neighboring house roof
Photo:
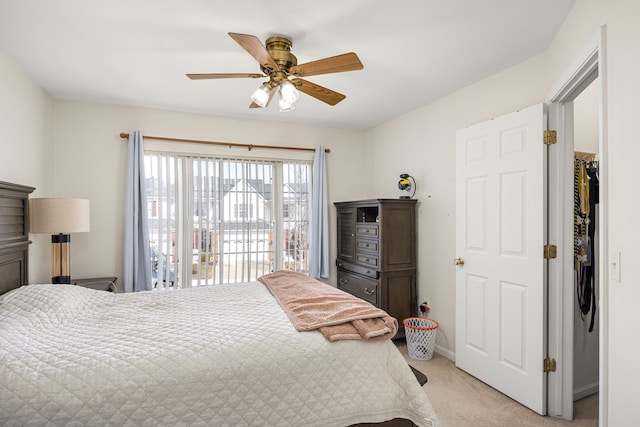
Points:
(260, 186)
(296, 187)
(257, 186)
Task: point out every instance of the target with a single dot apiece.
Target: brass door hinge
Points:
(549, 365)
(550, 137)
(550, 251)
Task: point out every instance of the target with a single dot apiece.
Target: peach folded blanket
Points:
(311, 304)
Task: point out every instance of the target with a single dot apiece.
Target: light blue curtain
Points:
(137, 264)
(319, 249)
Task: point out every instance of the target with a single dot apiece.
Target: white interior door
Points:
(500, 234)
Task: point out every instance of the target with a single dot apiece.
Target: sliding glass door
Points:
(220, 220)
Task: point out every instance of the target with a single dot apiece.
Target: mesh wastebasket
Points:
(420, 333)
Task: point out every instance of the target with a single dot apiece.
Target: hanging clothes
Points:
(586, 197)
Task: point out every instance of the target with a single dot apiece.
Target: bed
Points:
(211, 356)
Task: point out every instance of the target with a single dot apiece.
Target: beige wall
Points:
(585, 109)
(26, 122)
(622, 85)
(87, 139)
(422, 143)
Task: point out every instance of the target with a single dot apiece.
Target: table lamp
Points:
(59, 217)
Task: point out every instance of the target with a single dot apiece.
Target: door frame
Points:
(588, 65)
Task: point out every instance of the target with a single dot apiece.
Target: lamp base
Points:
(60, 255)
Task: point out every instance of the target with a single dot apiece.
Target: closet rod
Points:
(226, 144)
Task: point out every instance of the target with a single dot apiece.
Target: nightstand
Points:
(99, 283)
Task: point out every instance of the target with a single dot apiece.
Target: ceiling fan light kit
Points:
(288, 92)
(288, 96)
(279, 64)
(261, 95)
(285, 106)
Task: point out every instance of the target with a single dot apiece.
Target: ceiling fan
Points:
(281, 67)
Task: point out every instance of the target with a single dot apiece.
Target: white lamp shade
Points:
(285, 106)
(59, 215)
(288, 92)
(261, 95)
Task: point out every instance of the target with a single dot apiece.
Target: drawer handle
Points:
(343, 281)
(369, 292)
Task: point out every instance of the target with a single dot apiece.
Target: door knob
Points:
(458, 261)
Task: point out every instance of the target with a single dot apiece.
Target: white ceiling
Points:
(137, 52)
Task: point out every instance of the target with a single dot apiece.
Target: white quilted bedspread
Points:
(211, 356)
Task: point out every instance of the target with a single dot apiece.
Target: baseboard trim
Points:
(586, 390)
(445, 352)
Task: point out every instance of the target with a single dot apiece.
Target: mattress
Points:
(211, 356)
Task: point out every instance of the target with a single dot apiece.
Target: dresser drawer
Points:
(367, 229)
(355, 268)
(367, 259)
(364, 245)
(361, 287)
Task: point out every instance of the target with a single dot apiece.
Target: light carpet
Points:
(461, 400)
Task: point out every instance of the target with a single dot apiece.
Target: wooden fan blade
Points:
(335, 64)
(223, 76)
(322, 93)
(255, 48)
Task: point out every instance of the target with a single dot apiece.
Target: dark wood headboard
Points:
(14, 235)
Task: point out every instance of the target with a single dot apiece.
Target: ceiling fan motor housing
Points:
(280, 50)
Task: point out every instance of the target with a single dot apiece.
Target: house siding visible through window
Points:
(222, 220)
(243, 211)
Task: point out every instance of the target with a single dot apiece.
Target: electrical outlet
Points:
(614, 266)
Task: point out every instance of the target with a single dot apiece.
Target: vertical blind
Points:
(225, 220)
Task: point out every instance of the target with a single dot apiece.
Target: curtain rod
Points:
(227, 144)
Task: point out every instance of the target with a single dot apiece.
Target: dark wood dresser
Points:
(376, 255)
(14, 235)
